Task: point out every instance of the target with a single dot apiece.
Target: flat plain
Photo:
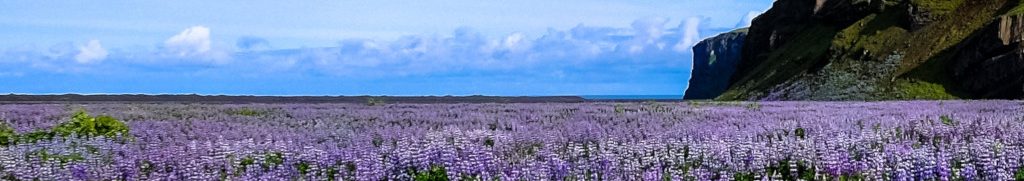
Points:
(906, 140)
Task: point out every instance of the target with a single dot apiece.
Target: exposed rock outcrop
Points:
(771, 30)
(714, 62)
(991, 63)
(788, 19)
(918, 17)
(882, 50)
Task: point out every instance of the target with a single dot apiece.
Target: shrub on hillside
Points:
(7, 134)
(82, 124)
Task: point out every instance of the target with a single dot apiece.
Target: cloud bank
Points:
(91, 52)
(745, 22)
(616, 59)
(191, 41)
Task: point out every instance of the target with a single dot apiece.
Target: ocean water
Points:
(633, 97)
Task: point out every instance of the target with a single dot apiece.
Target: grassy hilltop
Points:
(881, 50)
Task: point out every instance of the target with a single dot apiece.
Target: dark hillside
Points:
(882, 50)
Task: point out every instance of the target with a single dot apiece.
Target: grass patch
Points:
(938, 6)
(376, 101)
(930, 80)
(947, 121)
(872, 37)
(924, 72)
(946, 32)
(1017, 10)
(246, 112)
(924, 53)
(435, 173)
(913, 89)
(7, 134)
(793, 58)
(82, 124)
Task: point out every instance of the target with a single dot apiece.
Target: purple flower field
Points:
(916, 140)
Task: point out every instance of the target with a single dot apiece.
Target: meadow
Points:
(908, 140)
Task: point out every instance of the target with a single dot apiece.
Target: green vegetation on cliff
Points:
(789, 61)
(80, 125)
(897, 50)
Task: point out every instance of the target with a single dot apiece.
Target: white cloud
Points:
(647, 32)
(515, 42)
(647, 42)
(192, 41)
(748, 19)
(690, 29)
(91, 52)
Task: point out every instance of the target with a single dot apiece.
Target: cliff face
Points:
(881, 50)
(991, 63)
(714, 62)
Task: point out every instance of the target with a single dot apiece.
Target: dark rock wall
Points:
(771, 30)
(714, 62)
(873, 50)
(991, 64)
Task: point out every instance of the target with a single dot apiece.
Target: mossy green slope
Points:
(882, 56)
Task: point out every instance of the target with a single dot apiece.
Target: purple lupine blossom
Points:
(976, 140)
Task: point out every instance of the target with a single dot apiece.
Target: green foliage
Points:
(913, 89)
(800, 133)
(303, 167)
(246, 112)
(619, 108)
(743, 176)
(795, 57)
(36, 136)
(871, 36)
(62, 158)
(1017, 10)
(273, 159)
(331, 173)
(375, 101)
(694, 104)
(947, 121)
(938, 6)
(7, 134)
(786, 167)
(698, 104)
(926, 67)
(754, 106)
(83, 125)
(654, 106)
(930, 80)
(436, 173)
(244, 164)
(489, 142)
(924, 52)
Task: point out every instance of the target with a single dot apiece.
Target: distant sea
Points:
(633, 97)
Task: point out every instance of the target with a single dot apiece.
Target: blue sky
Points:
(382, 47)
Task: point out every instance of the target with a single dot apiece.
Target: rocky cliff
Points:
(881, 50)
(991, 63)
(714, 62)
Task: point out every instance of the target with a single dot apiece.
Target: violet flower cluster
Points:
(913, 140)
